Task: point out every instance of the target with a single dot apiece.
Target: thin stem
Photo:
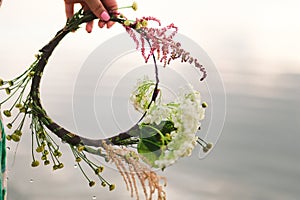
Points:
(155, 91)
(83, 172)
(32, 151)
(21, 93)
(15, 118)
(75, 153)
(22, 122)
(123, 7)
(158, 131)
(10, 95)
(200, 139)
(149, 141)
(51, 154)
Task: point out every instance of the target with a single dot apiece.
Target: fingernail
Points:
(105, 16)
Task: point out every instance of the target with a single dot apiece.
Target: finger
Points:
(69, 9)
(110, 24)
(110, 4)
(89, 26)
(98, 9)
(101, 24)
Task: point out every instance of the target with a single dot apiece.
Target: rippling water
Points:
(257, 156)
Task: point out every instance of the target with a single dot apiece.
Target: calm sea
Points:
(256, 157)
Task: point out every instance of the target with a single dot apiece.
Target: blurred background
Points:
(254, 44)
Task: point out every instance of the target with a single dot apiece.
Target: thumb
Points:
(98, 9)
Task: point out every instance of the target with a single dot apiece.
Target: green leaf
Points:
(166, 127)
(149, 150)
(151, 142)
(147, 132)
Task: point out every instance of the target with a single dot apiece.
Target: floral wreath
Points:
(164, 133)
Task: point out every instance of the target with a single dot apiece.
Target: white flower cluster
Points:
(186, 117)
(142, 94)
(185, 112)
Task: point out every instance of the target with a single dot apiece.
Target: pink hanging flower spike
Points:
(160, 41)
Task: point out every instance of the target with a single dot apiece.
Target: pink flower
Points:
(160, 40)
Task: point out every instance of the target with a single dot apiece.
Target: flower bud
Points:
(44, 157)
(127, 23)
(15, 138)
(39, 149)
(9, 125)
(57, 153)
(46, 162)
(35, 163)
(8, 137)
(55, 167)
(99, 170)
(138, 25)
(22, 110)
(19, 105)
(209, 145)
(92, 183)
(60, 165)
(205, 149)
(7, 113)
(18, 132)
(31, 74)
(80, 148)
(112, 187)
(46, 152)
(144, 23)
(7, 90)
(134, 6)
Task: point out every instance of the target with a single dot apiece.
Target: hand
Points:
(99, 7)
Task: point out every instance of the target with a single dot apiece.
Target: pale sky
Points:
(266, 32)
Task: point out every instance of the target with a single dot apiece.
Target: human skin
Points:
(100, 8)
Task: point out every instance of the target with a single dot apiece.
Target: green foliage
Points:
(153, 140)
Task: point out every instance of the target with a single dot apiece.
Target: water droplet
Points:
(94, 197)
(31, 180)
(75, 166)
(8, 148)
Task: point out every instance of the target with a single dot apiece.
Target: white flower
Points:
(142, 94)
(157, 113)
(186, 119)
(185, 112)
